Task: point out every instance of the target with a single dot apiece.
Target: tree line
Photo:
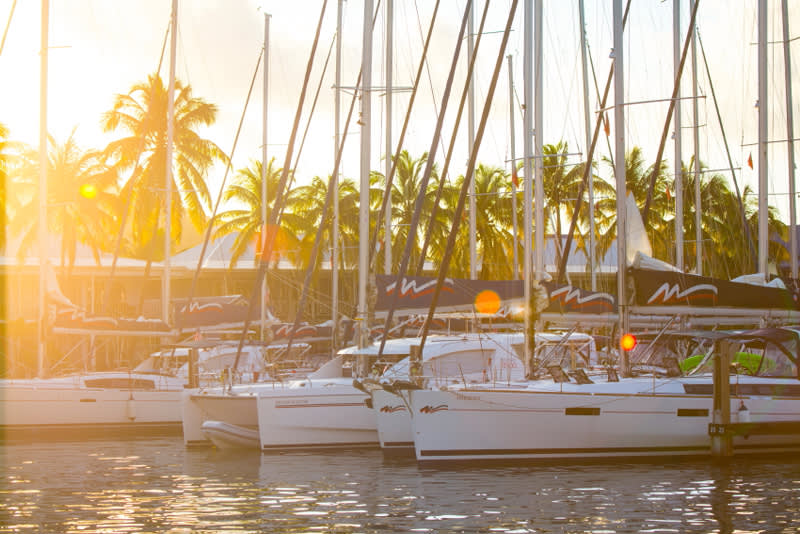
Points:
(94, 193)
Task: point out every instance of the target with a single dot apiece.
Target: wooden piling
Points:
(722, 441)
(194, 379)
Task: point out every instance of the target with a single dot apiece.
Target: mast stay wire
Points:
(129, 203)
(448, 158)
(218, 201)
(328, 201)
(423, 186)
(748, 235)
(428, 69)
(389, 179)
(8, 25)
(587, 169)
(467, 178)
(275, 214)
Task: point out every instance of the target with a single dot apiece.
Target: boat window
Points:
(774, 362)
(460, 363)
(748, 360)
(119, 383)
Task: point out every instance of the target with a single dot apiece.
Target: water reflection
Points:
(157, 486)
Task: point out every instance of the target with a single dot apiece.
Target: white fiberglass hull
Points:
(631, 418)
(56, 406)
(237, 407)
(393, 422)
(332, 415)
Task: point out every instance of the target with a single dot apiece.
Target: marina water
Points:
(156, 485)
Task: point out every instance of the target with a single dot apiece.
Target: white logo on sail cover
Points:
(410, 286)
(196, 307)
(667, 293)
(574, 294)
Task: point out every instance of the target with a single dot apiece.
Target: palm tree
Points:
(561, 183)
(349, 202)
(492, 217)
(405, 189)
(81, 203)
(305, 218)
(245, 190)
(726, 252)
(637, 180)
(142, 113)
(493, 225)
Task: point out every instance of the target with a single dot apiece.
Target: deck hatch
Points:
(581, 410)
(692, 412)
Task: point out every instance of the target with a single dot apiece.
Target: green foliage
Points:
(71, 215)
(142, 155)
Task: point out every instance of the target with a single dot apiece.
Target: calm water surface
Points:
(155, 485)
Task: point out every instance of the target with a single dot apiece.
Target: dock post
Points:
(721, 440)
(193, 374)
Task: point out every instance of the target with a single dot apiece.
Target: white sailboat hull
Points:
(625, 419)
(395, 433)
(59, 406)
(323, 416)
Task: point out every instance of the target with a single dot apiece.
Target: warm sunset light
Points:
(628, 342)
(487, 302)
(88, 191)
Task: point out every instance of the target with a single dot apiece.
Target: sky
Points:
(99, 48)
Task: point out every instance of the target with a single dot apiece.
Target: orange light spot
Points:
(487, 302)
(628, 342)
(88, 191)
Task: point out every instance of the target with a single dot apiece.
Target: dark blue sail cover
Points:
(76, 320)
(668, 288)
(227, 311)
(461, 295)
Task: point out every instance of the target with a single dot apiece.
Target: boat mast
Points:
(473, 229)
(619, 171)
(527, 127)
(335, 184)
(42, 233)
(538, 139)
(363, 212)
(264, 162)
(387, 232)
(165, 280)
(588, 129)
(790, 137)
(678, 135)
(515, 269)
(698, 210)
(762, 138)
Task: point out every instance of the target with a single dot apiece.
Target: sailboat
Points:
(674, 412)
(108, 403)
(105, 402)
(226, 415)
(480, 360)
(602, 418)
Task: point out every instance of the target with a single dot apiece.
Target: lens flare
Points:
(627, 342)
(88, 191)
(487, 302)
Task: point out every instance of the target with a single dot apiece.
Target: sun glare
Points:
(88, 191)
(487, 302)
